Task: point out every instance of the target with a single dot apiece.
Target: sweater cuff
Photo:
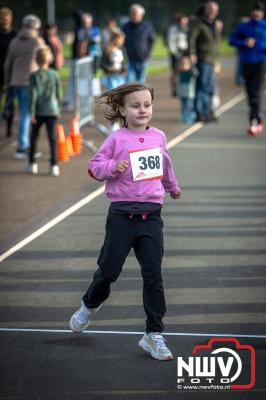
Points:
(112, 168)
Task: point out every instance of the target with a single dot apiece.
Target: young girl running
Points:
(136, 166)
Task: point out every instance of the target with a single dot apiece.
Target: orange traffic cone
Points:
(69, 144)
(75, 136)
(62, 153)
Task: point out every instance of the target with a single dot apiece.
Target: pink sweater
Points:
(121, 186)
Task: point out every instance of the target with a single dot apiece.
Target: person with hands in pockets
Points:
(137, 168)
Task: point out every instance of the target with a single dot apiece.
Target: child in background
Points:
(186, 89)
(52, 40)
(45, 99)
(113, 61)
(136, 166)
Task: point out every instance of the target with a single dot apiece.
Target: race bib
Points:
(146, 164)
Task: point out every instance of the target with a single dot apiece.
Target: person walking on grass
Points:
(136, 166)
(45, 99)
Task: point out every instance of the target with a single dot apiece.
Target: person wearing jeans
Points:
(204, 90)
(140, 37)
(22, 93)
(186, 89)
(19, 64)
(136, 71)
(203, 47)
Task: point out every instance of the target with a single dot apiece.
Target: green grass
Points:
(64, 72)
(154, 69)
(159, 52)
(225, 49)
(159, 49)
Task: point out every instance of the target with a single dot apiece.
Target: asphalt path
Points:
(214, 274)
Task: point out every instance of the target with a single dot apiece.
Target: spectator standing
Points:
(52, 40)
(69, 97)
(250, 38)
(6, 35)
(203, 46)
(186, 89)
(140, 36)
(89, 40)
(177, 43)
(113, 62)
(45, 100)
(19, 64)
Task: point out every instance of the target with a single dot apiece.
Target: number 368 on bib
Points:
(146, 164)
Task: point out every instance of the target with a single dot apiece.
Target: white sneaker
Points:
(37, 155)
(81, 318)
(32, 168)
(155, 344)
(54, 170)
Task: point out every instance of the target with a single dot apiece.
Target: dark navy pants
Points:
(145, 236)
(254, 82)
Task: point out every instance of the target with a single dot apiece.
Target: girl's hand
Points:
(175, 195)
(121, 165)
(33, 120)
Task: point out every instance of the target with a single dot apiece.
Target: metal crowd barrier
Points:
(84, 97)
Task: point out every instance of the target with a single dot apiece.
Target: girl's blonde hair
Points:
(114, 100)
(43, 56)
(113, 40)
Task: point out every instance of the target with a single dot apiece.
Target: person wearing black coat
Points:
(140, 36)
(6, 35)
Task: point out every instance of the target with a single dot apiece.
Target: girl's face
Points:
(137, 110)
(118, 42)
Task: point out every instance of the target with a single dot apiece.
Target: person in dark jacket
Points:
(140, 36)
(250, 38)
(69, 97)
(203, 47)
(6, 35)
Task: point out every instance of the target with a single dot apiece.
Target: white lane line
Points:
(194, 128)
(231, 103)
(222, 146)
(29, 330)
(52, 223)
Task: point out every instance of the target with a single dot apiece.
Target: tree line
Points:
(160, 12)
